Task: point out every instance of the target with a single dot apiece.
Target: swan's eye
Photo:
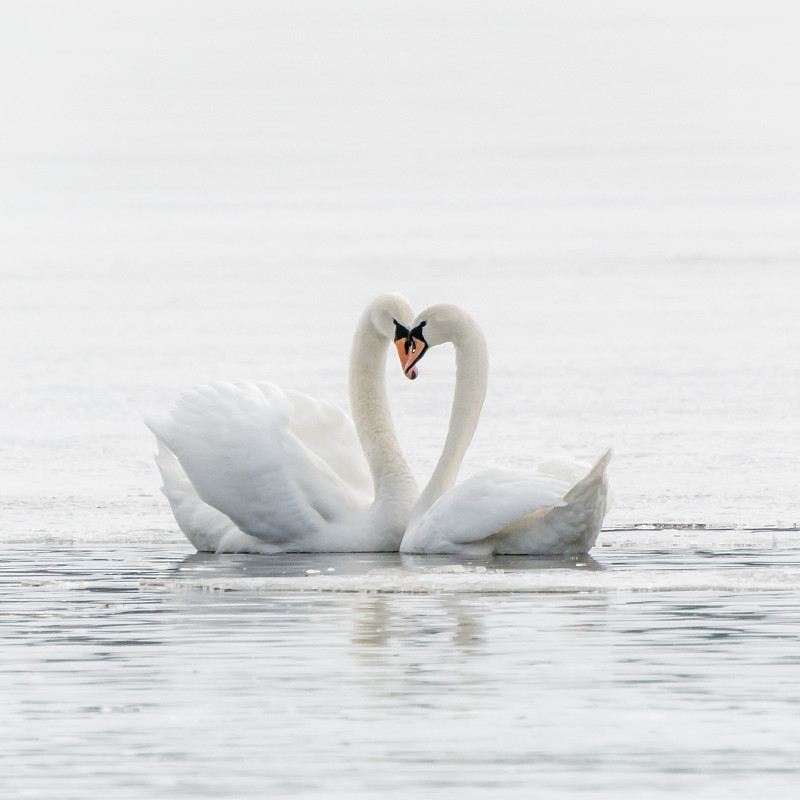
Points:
(400, 331)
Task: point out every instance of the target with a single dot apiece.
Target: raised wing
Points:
(204, 526)
(267, 459)
(329, 433)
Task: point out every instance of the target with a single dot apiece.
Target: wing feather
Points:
(485, 503)
(242, 447)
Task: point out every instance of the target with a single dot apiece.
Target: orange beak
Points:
(410, 351)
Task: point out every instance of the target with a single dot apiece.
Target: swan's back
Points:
(463, 519)
(507, 512)
(570, 528)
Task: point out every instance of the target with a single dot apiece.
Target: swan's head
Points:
(434, 326)
(391, 316)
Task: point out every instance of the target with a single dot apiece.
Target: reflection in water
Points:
(381, 621)
(500, 563)
(299, 564)
(182, 692)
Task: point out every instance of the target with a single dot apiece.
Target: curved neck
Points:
(369, 402)
(472, 372)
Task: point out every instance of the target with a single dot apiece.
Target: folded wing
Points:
(484, 504)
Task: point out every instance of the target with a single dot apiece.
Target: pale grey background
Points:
(213, 190)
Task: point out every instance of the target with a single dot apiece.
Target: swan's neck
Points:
(391, 475)
(472, 372)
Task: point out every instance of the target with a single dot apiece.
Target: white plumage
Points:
(283, 467)
(249, 467)
(252, 467)
(557, 509)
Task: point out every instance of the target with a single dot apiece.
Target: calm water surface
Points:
(125, 672)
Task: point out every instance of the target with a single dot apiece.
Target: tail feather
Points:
(590, 498)
(571, 528)
(588, 484)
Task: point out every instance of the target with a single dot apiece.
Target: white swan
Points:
(557, 509)
(248, 467)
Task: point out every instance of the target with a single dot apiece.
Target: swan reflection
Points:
(226, 565)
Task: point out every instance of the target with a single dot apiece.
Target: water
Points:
(129, 667)
(191, 191)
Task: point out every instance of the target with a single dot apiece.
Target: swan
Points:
(249, 467)
(557, 509)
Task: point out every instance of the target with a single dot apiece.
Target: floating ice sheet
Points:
(642, 561)
(469, 581)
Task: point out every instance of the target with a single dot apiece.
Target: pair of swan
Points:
(249, 467)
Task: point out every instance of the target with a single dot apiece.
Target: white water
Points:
(191, 191)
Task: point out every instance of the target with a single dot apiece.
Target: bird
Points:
(250, 467)
(556, 509)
